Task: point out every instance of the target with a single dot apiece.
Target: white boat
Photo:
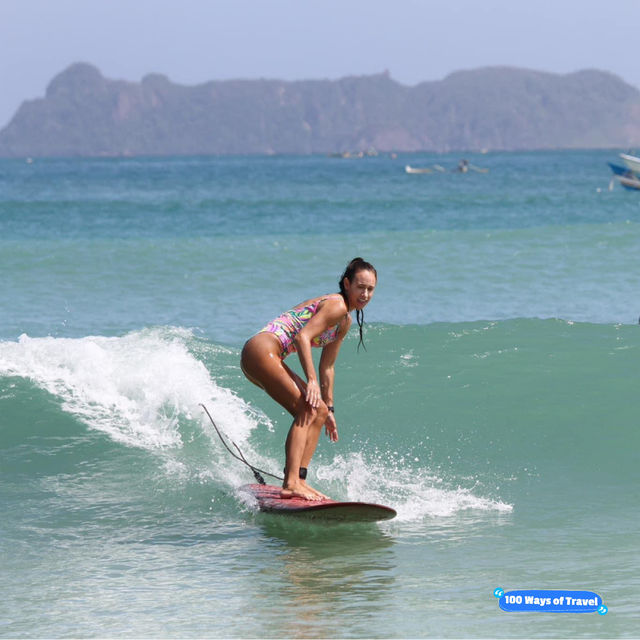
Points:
(410, 169)
(463, 167)
(632, 162)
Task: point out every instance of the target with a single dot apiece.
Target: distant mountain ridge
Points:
(497, 108)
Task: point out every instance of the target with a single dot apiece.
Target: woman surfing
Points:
(322, 322)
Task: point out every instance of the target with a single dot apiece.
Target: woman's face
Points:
(360, 289)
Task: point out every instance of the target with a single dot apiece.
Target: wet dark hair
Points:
(357, 264)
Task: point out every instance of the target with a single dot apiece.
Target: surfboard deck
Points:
(269, 500)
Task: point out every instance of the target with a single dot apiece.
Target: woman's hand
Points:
(331, 428)
(313, 395)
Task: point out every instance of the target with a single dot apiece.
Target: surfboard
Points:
(269, 500)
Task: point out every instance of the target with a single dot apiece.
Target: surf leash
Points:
(257, 473)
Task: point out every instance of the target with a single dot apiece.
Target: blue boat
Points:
(618, 169)
(627, 178)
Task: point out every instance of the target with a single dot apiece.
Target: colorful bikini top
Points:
(287, 326)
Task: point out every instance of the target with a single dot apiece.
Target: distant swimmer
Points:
(323, 322)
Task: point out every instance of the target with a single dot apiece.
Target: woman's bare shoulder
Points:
(334, 304)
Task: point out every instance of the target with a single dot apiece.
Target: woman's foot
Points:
(301, 490)
(321, 496)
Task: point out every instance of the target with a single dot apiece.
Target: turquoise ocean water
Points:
(496, 405)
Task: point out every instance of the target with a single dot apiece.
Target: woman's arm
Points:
(328, 360)
(330, 313)
(327, 377)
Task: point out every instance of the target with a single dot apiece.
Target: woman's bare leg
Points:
(263, 366)
(302, 448)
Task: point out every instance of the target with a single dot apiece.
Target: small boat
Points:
(464, 166)
(628, 178)
(629, 181)
(439, 168)
(618, 169)
(632, 162)
(409, 169)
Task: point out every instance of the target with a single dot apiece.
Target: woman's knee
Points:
(309, 415)
(321, 413)
(325, 411)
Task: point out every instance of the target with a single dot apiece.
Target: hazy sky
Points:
(193, 41)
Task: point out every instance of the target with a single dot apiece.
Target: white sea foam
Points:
(414, 494)
(135, 388)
